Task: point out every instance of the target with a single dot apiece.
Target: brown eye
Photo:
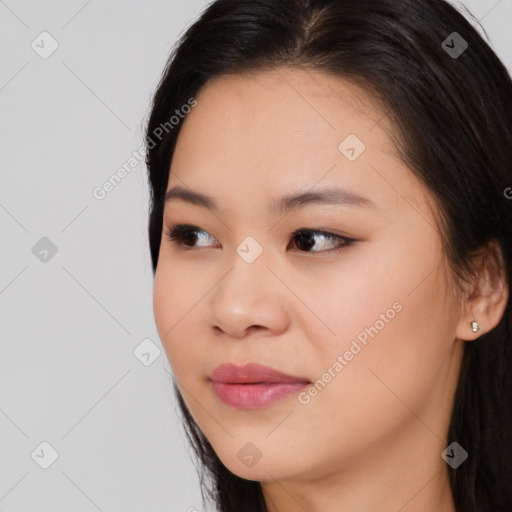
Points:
(305, 239)
(187, 235)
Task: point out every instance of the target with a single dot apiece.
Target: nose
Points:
(249, 298)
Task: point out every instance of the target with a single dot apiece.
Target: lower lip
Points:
(253, 396)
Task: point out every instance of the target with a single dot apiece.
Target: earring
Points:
(475, 326)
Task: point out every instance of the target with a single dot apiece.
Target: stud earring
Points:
(475, 326)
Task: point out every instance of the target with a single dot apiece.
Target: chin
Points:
(262, 470)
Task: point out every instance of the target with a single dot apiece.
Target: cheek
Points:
(393, 326)
(180, 293)
(172, 302)
(396, 349)
(397, 376)
(164, 303)
(345, 298)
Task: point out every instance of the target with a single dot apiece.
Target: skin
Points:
(372, 438)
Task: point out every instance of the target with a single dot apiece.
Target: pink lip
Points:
(253, 385)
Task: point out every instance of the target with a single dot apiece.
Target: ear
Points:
(486, 294)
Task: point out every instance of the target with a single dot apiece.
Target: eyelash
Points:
(176, 233)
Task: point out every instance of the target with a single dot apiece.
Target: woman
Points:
(331, 240)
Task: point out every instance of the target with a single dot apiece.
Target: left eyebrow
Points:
(326, 196)
(336, 196)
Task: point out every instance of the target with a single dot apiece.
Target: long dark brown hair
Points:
(453, 115)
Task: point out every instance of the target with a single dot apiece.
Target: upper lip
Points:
(230, 373)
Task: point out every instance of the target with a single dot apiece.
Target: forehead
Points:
(290, 85)
(288, 102)
(275, 131)
(281, 114)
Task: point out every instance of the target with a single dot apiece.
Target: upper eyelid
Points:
(318, 231)
(192, 227)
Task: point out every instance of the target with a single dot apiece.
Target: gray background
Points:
(70, 322)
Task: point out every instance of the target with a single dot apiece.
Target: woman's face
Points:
(371, 326)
